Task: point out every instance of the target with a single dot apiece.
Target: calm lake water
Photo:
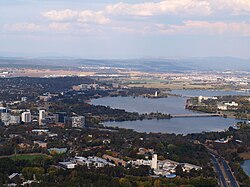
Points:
(208, 93)
(177, 125)
(172, 105)
(246, 167)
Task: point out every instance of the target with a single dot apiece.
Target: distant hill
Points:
(147, 64)
(217, 63)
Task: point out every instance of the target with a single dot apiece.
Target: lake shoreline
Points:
(246, 167)
(170, 105)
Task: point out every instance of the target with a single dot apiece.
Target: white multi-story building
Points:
(42, 115)
(232, 104)
(14, 119)
(78, 122)
(154, 164)
(201, 98)
(5, 117)
(141, 162)
(23, 99)
(222, 107)
(67, 165)
(26, 117)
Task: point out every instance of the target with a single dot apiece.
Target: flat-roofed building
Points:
(42, 115)
(26, 117)
(78, 121)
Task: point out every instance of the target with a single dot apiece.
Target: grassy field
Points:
(245, 156)
(171, 86)
(28, 157)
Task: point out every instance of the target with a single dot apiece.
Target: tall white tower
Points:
(41, 116)
(26, 117)
(154, 164)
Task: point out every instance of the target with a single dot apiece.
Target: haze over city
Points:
(125, 29)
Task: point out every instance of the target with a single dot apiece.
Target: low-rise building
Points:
(187, 167)
(23, 99)
(91, 161)
(40, 131)
(222, 141)
(140, 162)
(23, 146)
(232, 104)
(41, 144)
(57, 150)
(201, 98)
(82, 161)
(221, 107)
(143, 151)
(117, 161)
(67, 165)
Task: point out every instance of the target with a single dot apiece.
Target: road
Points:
(225, 181)
(231, 178)
(219, 172)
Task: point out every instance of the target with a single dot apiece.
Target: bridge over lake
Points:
(194, 115)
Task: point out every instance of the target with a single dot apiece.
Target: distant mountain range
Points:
(146, 64)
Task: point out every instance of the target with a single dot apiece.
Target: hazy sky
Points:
(125, 28)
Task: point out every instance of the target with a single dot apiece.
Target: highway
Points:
(233, 182)
(225, 181)
(219, 172)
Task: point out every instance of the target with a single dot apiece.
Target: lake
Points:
(208, 93)
(246, 167)
(172, 105)
(177, 125)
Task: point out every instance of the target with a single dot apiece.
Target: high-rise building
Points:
(154, 164)
(14, 119)
(23, 99)
(3, 110)
(5, 117)
(26, 117)
(60, 117)
(42, 115)
(78, 122)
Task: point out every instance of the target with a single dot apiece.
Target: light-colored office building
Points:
(14, 120)
(5, 117)
(78, 122)
(154, 164)
(26, 117)
(42, 116)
